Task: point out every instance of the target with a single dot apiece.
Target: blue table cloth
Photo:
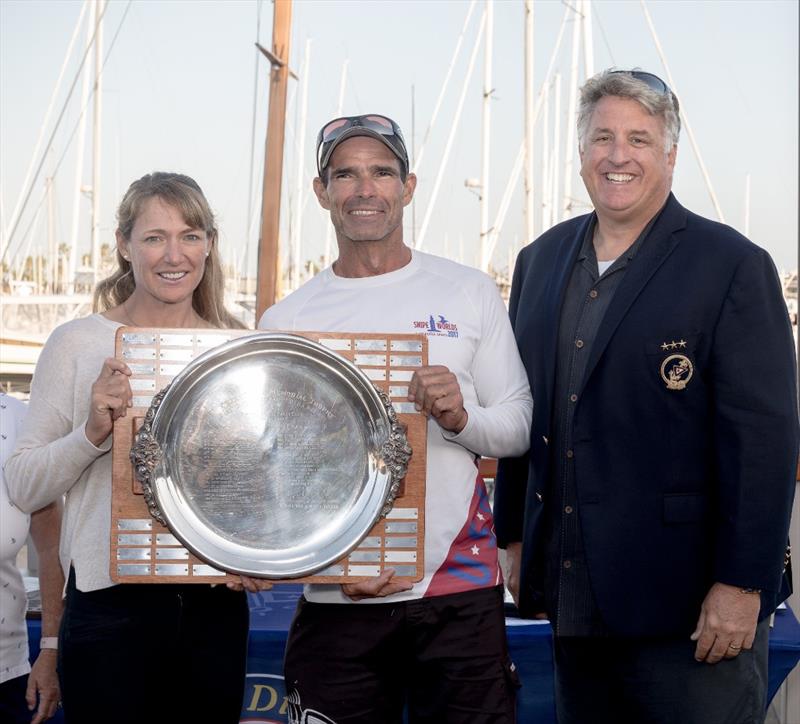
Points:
(529, 643)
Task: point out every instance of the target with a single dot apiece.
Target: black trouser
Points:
(606, 680)
(13, 707)
(153, 653)
(445, 657)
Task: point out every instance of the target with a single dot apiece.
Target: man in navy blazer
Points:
(650, 517)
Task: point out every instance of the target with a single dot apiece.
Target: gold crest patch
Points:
(676, 371)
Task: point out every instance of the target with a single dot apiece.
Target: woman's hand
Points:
(43, 694)
(111, 398)
(246, 583)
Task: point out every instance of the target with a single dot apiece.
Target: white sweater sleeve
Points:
(52, 451)
(499, 422)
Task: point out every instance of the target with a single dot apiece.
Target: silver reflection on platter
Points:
(270, 456)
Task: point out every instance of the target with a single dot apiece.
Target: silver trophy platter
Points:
(270, 456)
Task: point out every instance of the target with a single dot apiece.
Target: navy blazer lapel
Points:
(554, 296)
(656, 248)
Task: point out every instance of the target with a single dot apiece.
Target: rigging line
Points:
(605, 38)
(453, 128)
(33, 219)
(47, 116)
(456, 53)
(52, 135)
(685, 118)
(83, 110)
(249, 221)
(36, 219)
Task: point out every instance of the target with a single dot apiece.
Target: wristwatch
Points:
(48, 642)
(750, 590)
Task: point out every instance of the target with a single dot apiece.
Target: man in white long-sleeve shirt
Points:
(438, 645)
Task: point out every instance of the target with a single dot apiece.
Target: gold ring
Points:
(735, 648)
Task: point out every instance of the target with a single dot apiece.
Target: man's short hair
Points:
(624, 84)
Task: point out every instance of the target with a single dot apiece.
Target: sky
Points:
(185, 90)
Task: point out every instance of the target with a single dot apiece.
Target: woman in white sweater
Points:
(133, 652)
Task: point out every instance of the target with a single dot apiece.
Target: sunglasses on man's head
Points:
(381, 125)
(653, 82)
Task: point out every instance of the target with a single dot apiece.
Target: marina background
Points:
(179, 92)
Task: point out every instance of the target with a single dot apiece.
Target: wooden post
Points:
(268, 272)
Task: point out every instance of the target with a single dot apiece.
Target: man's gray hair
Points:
(624, 85)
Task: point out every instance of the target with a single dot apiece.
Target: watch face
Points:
(274, 456)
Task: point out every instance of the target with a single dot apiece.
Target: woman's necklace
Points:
(128, 317)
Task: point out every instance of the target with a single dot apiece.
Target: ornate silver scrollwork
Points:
(395, 451)
(145, 455)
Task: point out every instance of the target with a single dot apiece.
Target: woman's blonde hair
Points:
(185, 194)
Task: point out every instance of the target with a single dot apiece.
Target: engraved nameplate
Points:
(142, 368)
(371, 345)
(405, 345)
(400, 527)
(139, 353)
(373, 360)
(134, 539)
(135, 524)
(143, 384)
(178, 354)
(138, 338)
(133, 569)
(211, 340)
(397, 360)
(133, 554)
(172, 554)
(400, 557)
(375, 373)
(372, 571)
(172, 569)
(401, 542)
(334, 570)
(204, 570)
(405, 570)
(167, 539)
(338, 345)
(401, 513)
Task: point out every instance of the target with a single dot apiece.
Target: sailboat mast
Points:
(486, 136)
(96, 141)
(267, 284)
(72, 264)
(569, 148)
(300, 189)
(529, 122)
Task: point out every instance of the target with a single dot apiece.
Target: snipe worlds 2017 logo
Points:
(436, 326)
